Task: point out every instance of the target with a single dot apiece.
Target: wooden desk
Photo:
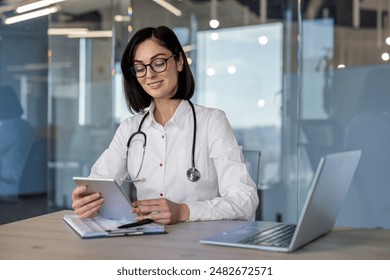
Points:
(49, 237)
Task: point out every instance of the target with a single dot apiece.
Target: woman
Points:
(177, 135)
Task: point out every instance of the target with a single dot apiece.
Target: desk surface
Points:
(49, 237)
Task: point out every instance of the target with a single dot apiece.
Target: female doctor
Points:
(183, 159)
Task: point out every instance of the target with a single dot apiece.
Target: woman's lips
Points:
(155, 84)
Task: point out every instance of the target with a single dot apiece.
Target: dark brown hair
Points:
(137, 99)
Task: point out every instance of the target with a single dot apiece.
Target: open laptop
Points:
(326, 195)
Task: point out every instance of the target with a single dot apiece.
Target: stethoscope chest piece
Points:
(193, 174)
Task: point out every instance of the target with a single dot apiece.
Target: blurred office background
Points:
(297, 79)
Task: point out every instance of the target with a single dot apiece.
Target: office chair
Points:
(252, 159)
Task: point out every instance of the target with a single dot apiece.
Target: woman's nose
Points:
(150, 72)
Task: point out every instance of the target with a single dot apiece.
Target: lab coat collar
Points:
(177, 119)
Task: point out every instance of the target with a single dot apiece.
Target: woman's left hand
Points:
(161, 211)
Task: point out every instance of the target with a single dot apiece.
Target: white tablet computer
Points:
(116, 203)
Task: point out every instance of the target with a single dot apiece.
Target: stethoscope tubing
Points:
(193, 174)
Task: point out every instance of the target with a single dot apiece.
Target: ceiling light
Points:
(36, 5)
(210, 71)
(92, 34)
(214, 36)
(231, 69)
(263, 40)
(79, 33)
(169, 7)
(261, 103)
(66, 31)
(385, 56)
(188, 48)
(388, 41)
(120, 18)
(27, 16)
(214, 23)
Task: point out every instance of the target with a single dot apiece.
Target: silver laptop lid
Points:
(325, 198)
(329, 187)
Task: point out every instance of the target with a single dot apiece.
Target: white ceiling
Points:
(230, 12)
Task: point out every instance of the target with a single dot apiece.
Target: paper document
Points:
(101, 227)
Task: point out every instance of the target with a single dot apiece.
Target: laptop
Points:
(326, 195)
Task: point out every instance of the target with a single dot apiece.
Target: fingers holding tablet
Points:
(86, 204)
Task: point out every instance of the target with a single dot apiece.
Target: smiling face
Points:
(158, 85)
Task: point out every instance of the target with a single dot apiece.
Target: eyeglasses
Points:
(158, 65)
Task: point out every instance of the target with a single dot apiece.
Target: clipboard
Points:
(100, 227)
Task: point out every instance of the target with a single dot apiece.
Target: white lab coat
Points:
(225, 189)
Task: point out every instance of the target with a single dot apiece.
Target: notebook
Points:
(326, 195)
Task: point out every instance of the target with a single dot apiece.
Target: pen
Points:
(135, 224)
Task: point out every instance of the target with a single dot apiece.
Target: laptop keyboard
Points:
(278, 236)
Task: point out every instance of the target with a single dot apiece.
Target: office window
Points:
(239, 70)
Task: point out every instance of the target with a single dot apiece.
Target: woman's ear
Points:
(180, 63)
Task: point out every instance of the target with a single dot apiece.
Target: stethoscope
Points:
(193, 174)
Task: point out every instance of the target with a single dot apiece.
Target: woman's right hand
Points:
(86, 205)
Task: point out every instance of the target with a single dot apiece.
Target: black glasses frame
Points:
(134, 72)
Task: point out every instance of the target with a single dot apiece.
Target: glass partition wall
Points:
(238, 66)
(345, 100)
(23, 117)
(297, 80)
(80, 92)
